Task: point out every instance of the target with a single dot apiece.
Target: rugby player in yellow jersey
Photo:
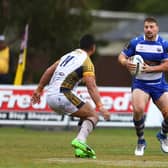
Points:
(63, 77)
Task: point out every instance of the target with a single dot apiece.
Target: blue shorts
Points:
(154, 90)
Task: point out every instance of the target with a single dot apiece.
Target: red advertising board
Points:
(16, 108)
(116, 100)
(19, 99)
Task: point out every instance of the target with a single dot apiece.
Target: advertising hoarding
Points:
(16, 108)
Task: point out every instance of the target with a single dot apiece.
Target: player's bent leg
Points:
(80, 140)
(163, 139)
(90, 118)
(86, 111)
(162, 135)
(141, 144)
(139, 95)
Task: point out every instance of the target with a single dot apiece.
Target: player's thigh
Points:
(60, 104)
(162, 104)
(86, 111)
(139, 100)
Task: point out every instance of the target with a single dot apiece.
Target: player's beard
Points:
(149, 36)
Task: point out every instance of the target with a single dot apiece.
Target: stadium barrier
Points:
(16, 108)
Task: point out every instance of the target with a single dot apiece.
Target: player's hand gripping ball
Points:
(138, 60)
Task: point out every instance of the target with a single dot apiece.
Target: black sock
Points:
(139, 127)
(164, 129)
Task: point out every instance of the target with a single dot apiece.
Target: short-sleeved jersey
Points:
(151, 51)
(71, 69)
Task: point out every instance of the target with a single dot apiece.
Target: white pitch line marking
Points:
(124, 163)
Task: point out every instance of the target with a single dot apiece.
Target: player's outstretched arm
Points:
(94, 93)
(44, 80)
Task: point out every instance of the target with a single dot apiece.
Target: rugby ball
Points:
(138, 60)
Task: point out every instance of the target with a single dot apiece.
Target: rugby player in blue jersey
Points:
(151, 82)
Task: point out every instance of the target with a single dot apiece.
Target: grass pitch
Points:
(27, 148)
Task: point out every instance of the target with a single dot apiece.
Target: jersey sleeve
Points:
(88, 68)
(129, 49)
(165, 55)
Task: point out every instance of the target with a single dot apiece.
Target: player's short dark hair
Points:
(151, 19)
(87, 42)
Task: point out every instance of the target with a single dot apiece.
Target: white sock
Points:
(85, 130)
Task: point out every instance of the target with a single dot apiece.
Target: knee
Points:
(165, 113)
(94, 118)
(138, 108)
(138, 112)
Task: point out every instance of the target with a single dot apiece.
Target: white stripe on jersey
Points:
(149, 76)
(146, 48)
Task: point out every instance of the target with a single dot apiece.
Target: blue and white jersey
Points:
(153, 53)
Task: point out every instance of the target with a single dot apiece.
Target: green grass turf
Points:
(27, 148)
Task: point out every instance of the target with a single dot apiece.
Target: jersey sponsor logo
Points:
(149, 48)
(61, 74)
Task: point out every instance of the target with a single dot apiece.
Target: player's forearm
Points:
(163, 67)
(94, 93)
(122, 60)
(44, 79)
(47, 76)
(159, 68)
(93, 90)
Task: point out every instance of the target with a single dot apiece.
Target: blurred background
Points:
(55, 27)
